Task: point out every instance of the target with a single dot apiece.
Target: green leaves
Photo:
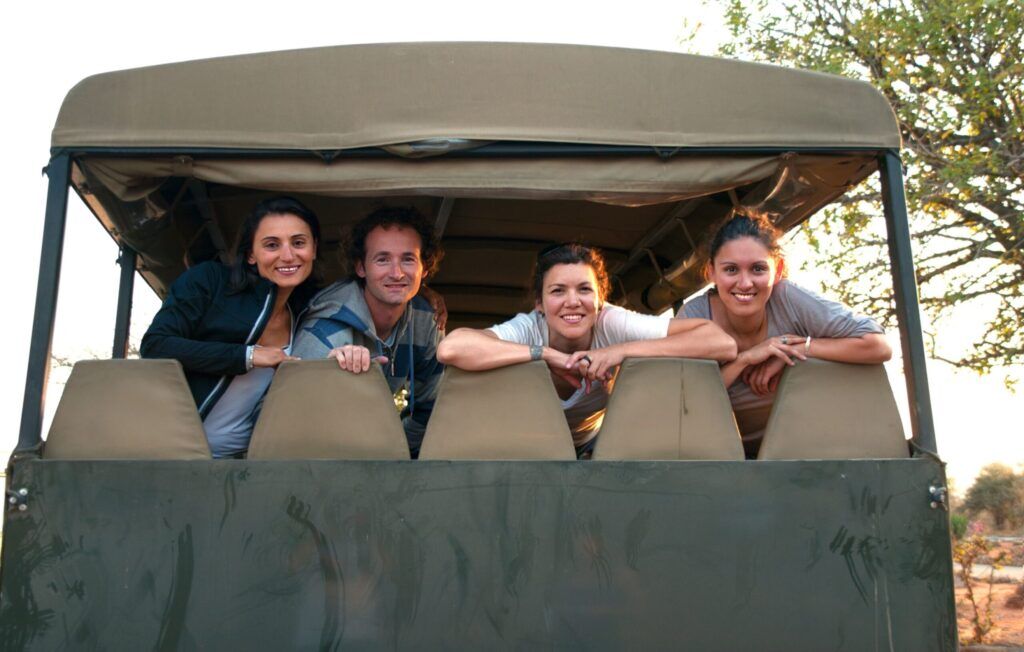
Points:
(953, 72)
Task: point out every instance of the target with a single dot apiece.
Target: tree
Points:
(953, 72)
(1000, 492)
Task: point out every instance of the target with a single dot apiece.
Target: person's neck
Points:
(565, 345)
(281, 300)
(746, 327)
(384, 315)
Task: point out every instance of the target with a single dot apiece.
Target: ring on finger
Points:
(587, 359)
(785, 340)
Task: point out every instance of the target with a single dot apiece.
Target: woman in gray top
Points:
(773, 321)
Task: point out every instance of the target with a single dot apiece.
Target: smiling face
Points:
(393, 270)
(744, 272)
(570, 301)
(283, 249)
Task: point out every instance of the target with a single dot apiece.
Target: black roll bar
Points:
(59, 173)
(904, 285)
(123, 316)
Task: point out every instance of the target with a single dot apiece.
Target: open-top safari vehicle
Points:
(121, 533)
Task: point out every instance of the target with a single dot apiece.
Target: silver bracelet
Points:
(250, 355)
(536, 352)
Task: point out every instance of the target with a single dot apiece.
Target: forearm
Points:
(687, 338)
(872, 348)
(217, 358)
(474, 350)
(732, 370)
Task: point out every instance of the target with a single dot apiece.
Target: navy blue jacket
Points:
(207, 328)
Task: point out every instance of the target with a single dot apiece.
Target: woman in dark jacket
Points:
(231, 326)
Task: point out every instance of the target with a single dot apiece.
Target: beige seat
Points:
(313, 410)
(126, 409)
(832, 410)
(511, 413)
(669, 409)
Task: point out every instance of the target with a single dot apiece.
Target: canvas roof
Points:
(373, 95)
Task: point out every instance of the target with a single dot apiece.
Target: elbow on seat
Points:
(446, 351)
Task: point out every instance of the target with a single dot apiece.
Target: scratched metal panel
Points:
(302, 555)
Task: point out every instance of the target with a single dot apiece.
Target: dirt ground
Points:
(1009, 623)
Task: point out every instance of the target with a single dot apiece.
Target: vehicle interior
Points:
(502, 179)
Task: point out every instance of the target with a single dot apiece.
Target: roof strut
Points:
(444, 211)
(210, 223)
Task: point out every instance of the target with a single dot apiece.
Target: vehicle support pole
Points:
(122, 319)
(904, 284)
(59, 173)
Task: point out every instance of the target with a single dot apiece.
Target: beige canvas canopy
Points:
(170, 158)
(373, 95)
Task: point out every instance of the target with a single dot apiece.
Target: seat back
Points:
(832, 410)
(669, 409)
(314, 410)
(512, 413)
(126, 409)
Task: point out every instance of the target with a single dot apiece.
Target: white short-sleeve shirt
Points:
(615, 325)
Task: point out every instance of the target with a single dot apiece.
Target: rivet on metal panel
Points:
(18, 499)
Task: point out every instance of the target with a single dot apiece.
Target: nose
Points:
(286, 252)
(745, 281)
(572, 298)
(396, 270)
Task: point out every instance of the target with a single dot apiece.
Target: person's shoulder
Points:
(338, 287)
(697, 306)
(790, 292)
(210, 274)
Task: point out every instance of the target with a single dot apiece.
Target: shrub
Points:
(958, 525)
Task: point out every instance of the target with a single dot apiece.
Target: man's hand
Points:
(355, 359)
(269, 356)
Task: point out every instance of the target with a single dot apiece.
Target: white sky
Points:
(47, 48)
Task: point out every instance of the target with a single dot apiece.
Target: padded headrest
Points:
(314, 410)
(126, 409)
(833, 410)
(669, 409)
(512, 413)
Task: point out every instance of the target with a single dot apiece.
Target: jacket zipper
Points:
(254, 334)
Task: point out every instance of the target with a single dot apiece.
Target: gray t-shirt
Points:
(615, 325)
(791, 309)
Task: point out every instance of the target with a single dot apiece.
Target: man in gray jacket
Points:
(377, 315)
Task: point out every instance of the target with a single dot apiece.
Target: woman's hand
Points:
(763, 379)
(766, 361)
(355, 359)
(269, 356)
(598, 364)
(784, 347)
(559, 365)
(437, 303)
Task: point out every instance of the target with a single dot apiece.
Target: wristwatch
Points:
(536, 352)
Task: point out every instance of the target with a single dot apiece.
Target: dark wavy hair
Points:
(570, 254)
(243, 273)
(431, 252)
(743, 226)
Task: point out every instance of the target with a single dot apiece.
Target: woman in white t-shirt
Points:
(774, 322)
(582, 338)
